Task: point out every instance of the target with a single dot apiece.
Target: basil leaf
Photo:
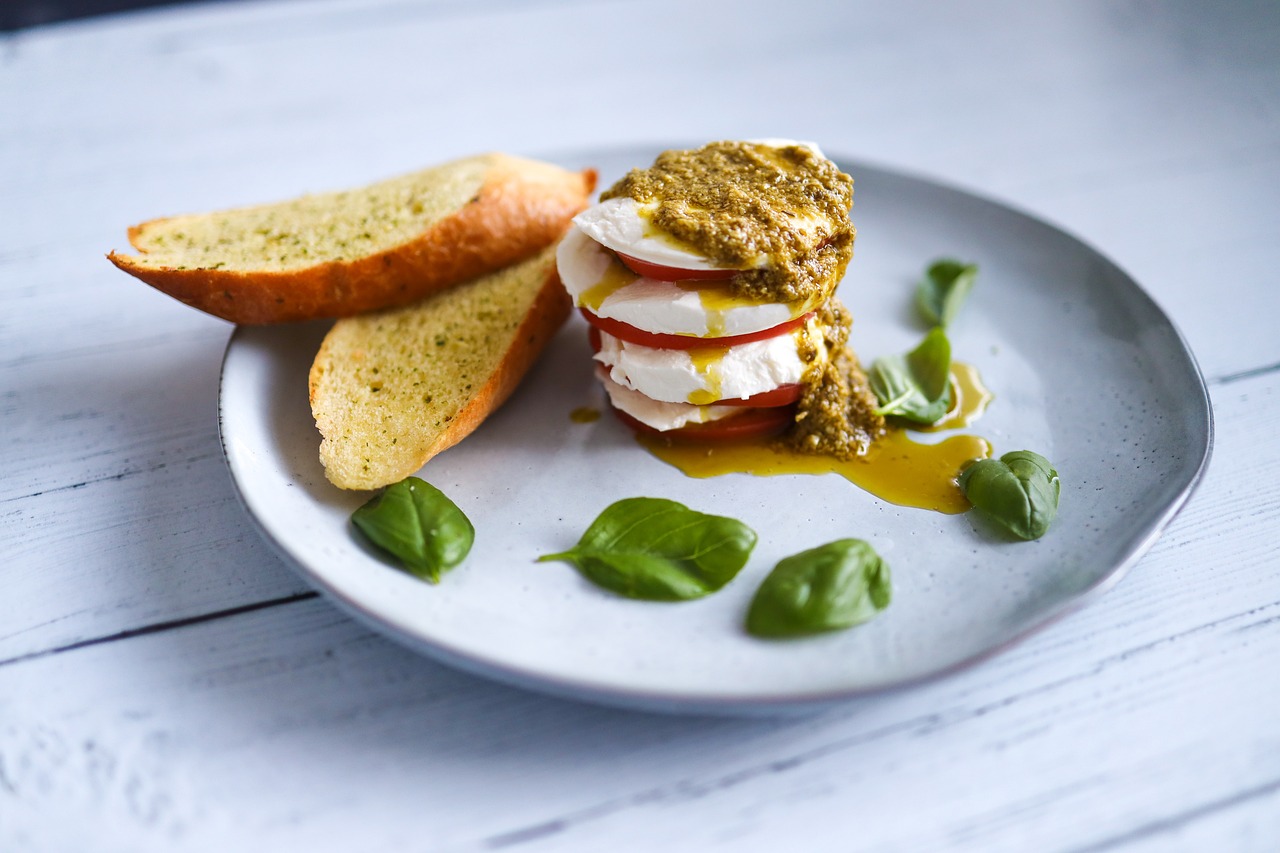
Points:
(1019, 491)
(837, 585)
(915, 386)
(416, 523)
(943, 289)
(660, 550)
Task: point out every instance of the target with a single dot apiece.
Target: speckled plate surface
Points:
(1086, 369)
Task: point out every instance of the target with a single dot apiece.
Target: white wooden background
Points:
(167, 683)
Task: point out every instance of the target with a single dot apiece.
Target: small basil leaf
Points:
(660, 550)
(416, 523)
(915, 386)
(837, 585)
(943, 290)
(1019, 491)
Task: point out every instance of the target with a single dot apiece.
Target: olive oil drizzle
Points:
(969, 399)
(616, 276)
(718, 299)
(707, 364)
(716, 302)
(897, 468)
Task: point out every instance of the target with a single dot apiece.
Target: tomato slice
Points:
(658, 340)
(783, 395)
(752, 423)
(665, 273)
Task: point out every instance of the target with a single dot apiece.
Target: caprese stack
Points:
(681, 350)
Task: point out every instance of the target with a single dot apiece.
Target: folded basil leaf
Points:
(1019, 491)
(915, 386)
(414, 521)
(834, 586)
(660, 550)
(943, 290)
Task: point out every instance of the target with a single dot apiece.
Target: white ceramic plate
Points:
(1085, 368)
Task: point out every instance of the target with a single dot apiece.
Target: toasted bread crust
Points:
(356, 457)
(516, 212)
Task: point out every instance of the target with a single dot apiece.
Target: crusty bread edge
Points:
(512, 216)
(548, 312)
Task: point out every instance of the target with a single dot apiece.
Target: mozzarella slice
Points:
(705, 375)
(661, 416)
(597, 281)
(624, 225)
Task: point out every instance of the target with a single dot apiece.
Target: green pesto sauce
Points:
(734, 202)
(836, 415)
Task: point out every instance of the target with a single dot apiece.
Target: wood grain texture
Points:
(1104, 714)
(167, 683)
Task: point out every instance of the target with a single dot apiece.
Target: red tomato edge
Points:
(662, 272)
(752, 423)
(660, 340)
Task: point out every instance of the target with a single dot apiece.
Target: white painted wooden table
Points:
(166, 682)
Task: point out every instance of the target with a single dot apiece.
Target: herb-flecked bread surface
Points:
(391, 389)
(344, 253)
